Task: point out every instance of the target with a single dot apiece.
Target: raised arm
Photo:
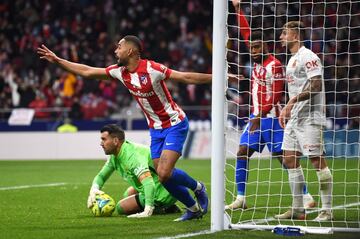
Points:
(190, 77)
(242, 22)
(75, 68)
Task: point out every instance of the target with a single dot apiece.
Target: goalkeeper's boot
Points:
(189, 215)
(172, 209)
(309, 202)
(324, 215)
(239, 203)
(295, 214)
(202, 198)
(167, 209)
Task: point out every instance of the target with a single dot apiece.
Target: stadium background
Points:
(177, 33)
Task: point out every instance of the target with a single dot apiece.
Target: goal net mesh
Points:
(333, 32)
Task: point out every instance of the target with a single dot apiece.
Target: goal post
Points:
(218, 115)
(333, 34)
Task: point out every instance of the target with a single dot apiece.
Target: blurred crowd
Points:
(332, 29)
(86, 31)
(177, 33)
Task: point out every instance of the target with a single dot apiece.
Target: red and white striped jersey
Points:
(267, 82)
(146, 84)
(267, 79)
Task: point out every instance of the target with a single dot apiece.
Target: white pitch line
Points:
(270, 219)
(32, 186)
(188, 235)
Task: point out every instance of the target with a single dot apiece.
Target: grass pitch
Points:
(47, 199)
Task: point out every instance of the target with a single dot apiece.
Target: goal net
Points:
(332, 32)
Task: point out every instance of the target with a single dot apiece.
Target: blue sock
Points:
(180, 192)
(241, 175)
(305, 190)
(180, 177)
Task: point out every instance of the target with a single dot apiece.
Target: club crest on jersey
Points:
(163, 68)
(143, 79)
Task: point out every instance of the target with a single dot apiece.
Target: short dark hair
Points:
(297, 26)
(135, 41)
(257, 36)
(114, 130)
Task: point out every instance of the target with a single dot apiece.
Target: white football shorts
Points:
(306, 139)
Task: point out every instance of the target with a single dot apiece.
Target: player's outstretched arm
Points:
(190, 77)
(98, 182)
(75, 68)
(236, 4)
(149, 190)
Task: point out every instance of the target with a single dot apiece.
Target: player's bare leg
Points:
(130, 191)
(166, 164)
(128, 206)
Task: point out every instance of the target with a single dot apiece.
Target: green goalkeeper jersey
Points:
(132, 161)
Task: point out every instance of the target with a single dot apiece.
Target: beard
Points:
(109, 150)
(257, 59)
(122, 62)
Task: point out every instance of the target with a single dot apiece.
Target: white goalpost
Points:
(218, 116)
(332, 33)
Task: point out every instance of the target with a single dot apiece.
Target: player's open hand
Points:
(254, 124)
(47, 54)
(235, 78)
(285, 115)
(92, 196)
(148, 211)
(236, 4)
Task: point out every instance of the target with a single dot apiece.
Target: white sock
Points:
(326, 186)
(240, 197)
(198, 186)
(194, 208)
(308, 197)
(296, 181)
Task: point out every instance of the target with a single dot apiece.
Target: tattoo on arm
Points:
(313, 88)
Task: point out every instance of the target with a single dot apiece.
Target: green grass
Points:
(60, 211)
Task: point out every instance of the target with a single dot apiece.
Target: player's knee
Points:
(244, 152)
(119, 209)
(129, 191)
(164, 175)
(241, 154)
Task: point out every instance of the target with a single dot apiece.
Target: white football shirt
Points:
(301, 67)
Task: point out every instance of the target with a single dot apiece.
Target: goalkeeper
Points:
(133, 162)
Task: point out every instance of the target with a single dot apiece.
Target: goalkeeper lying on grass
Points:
(133, 162)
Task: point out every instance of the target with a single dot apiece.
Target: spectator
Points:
(67, 127)
(39, 104)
